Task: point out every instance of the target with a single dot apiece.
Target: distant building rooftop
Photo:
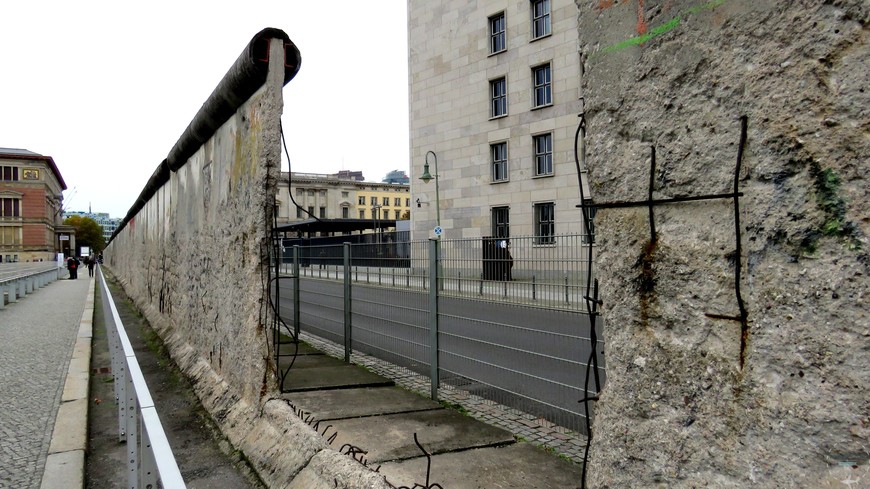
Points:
(30, 155)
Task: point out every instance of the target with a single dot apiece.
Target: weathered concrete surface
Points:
(194, 259)
(354, 403)
(518, 465)
(390, 437)
(694, 400)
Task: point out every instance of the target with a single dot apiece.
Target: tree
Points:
(88, 233)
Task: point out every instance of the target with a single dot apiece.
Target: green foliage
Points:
(88, 232)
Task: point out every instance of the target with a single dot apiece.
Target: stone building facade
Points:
(495, 95)
(31, 201)
(331, 197)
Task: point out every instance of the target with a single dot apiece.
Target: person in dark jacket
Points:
(72, 264)
(91, 262)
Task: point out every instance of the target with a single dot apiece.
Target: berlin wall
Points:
(193, 254)
(734, 360)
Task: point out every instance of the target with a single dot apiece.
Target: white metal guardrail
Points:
(149, 457)
(16, 282)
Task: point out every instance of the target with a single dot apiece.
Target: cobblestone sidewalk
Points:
(37, 335)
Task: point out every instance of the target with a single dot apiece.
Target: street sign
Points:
(438, 231)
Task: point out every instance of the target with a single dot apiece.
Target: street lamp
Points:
(376, 215)
(426, 177)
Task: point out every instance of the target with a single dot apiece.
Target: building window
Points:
(362, 213)
(397, 215)
(300, 192)
(310, 211)
(540, 18)
(8, 173)
(298, 213)
(361, 200)
(545, 223)
(501, 222)
(323, 212)
(543, 91)
(373, 200)
(397, 202)
(345, 194)
(345, 213)
(543, 154)
(408, 202)
(10, 207)
(497, 42)
(385, 201)
(498, 97)
(10, 236)
(311, 193)
(499, 162)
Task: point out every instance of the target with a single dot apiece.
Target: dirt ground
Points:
(205, 458)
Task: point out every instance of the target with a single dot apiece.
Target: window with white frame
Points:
(397, 201)
(361, 200)
(323, 212)
(345, 212)
(362, 213)
(498, 97)
(543, 154)
(543, 89)
(545, 222)
(540, 18)
(497, 41)
(385, 201)
(498, 152)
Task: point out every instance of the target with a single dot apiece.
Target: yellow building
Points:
(303, 196)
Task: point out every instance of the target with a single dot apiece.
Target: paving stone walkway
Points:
(37, 335)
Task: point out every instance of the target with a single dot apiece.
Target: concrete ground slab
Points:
(341, 377)
(513, 466)
(354, 403)
(391, 437)
(301, 349)
(70, 429)
(309, 361)
(64, 469)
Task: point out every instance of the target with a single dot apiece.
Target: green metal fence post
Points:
(348, 345)
(296, 303)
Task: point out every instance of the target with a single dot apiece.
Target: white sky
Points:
(107, 87)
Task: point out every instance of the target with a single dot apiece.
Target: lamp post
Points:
(426, 177)
(376, 215)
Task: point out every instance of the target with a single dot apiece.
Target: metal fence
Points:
(149, 458)
(503, 320)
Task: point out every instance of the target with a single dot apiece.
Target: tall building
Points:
(397, 176)
(330, 197)
(495, 95)
(31, 201)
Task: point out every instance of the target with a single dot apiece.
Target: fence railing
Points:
(457, 312)
(548, 272)
(149, 457)
(17, 282)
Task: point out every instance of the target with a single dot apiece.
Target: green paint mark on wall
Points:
(658, 31)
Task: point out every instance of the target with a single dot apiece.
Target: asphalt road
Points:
(520, 351)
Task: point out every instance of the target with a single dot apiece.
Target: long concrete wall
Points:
(193, 253)
(695, 399)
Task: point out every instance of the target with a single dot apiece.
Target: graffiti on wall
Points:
(644, 33)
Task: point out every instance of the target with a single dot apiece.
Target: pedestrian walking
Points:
(72, 264)
(91, 262)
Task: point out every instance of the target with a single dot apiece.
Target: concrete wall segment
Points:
(194, 256)
(693, 400)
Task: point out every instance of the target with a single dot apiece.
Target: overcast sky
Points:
(106, 88)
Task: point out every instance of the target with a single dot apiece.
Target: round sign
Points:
(438, 231)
